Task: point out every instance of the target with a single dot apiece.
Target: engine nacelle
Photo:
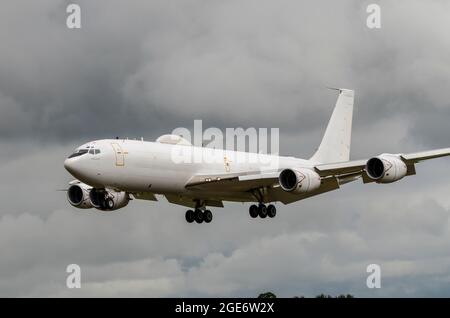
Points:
(299, 180)
(386, 168)
(108, 200)
(78, 196)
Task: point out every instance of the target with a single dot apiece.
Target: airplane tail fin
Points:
(335, 145)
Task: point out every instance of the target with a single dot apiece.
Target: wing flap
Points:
(340, 168)
(190, 202)
(145, 196)
(233, 182)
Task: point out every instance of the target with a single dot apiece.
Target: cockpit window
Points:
(94, 151)
(78, 153)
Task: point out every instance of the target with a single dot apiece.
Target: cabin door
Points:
(120, 155)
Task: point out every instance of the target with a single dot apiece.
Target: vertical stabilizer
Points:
(335, 145)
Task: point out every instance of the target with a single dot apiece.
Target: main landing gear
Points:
(262, 211)
(199, 216)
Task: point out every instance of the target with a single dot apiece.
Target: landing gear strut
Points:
(262, 211)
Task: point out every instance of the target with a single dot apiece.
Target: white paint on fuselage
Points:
(149, 166)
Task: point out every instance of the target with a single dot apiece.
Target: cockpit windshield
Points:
(89, 149)
(80, 152)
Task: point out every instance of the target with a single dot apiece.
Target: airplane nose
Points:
(69, 164)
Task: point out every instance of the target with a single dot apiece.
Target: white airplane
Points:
(109, 173)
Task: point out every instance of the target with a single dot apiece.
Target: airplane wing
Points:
(334, 174)
(251, 182)
(356, 167)
(425, 155)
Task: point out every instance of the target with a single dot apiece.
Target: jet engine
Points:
(386, 168)
(108, 200)
(78, 196)
(299, 180)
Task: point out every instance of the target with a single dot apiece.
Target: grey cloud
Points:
(305, 252)
(161, 66)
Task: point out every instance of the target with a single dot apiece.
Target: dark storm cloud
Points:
(139, 69)
(143, 69)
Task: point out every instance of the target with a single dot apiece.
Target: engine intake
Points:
(299, 180)
(78, 196)
(386, 168)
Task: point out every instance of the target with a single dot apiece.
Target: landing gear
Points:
(271, 211)
(253, 211)
(190, 216)
(262, 211)
(199, 216)
(207, 216)
(109, 203)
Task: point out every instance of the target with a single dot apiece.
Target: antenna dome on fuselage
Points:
(173, 140)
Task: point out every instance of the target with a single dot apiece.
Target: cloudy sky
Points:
(143, 68)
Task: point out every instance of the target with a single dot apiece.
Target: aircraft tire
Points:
(271, 211)
(109, 204)
(253, 211)
(190, 216)
(198, 215)
(207, 216)
(262, 211)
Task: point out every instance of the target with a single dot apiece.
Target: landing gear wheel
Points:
(109, 204)
(198, 216)
(190, 216)
(207, 216)
(271, 211)
(253, 211)
(262, 211)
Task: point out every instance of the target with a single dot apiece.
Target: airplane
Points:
(109, 173)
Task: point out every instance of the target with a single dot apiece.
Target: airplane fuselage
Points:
(142, 166)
